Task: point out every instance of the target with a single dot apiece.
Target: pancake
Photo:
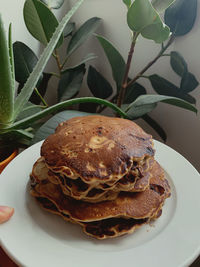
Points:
(92, 193)
(107, 219)
(133, 205)
(96, 148)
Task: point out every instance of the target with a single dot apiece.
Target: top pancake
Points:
(96, 148)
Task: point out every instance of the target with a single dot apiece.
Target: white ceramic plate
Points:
(33, 237)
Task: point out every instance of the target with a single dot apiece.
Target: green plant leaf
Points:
(6, 81)
(70, 82)
(50, 125)
(11, 55)
(82, 34)
(40, 21)
(181, 16)
(115, 59)
(145, 103)
(157, 32)
(88, 107)
(188, 82)
(178, 63)
(161, 5)
(30, 84)
(55, 4)
(151, 25)
(127, 3)
(133, 91)
(156, 126)
(28, 121)
(29, 109)
(140, 14)
(97, 84)
(87, 58)
(25, 61)
(164, 87)
(69, 29)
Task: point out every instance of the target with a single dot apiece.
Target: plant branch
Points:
(128, 65)
(164, 48)
(40, 96)
(55, 54)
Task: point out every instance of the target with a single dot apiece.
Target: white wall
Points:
(182, 127)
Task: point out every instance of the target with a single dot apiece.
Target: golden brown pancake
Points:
(78, 189)
(96, 148)
(132, 205)
(107, 219)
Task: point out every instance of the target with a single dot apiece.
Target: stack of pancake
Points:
(100, 173)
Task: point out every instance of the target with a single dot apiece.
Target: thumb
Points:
(5, 213)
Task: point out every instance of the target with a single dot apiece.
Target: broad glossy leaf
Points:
(133, 92)
(70, 83)
(53, 3)
(143, 18)
(115, 59)
(127, 3)
(50, 110)
(164, 87)
(97, 84)
(189, 82)
(178, 63)
(181, 16)
(69, 29)
(145, 103)
(140, 14)
(30, 84)
(161, 5)
(156, 31)
(136, 112)
(87, 58)
(156, 126)
(49, 126)
(25, 61)
(40, 21)
(6, 80)
(82, 34)
(88, 107)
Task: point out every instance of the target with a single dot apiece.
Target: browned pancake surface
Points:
(133, 205)
(96, 147)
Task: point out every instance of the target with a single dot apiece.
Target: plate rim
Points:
(38, 145)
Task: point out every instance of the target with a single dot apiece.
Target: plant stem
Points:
(64, 62)
(55, 74)
(164, 48)
(55, 54)
(128, 65)
(140, 74)
(42, 99)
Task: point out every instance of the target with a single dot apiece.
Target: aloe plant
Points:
(16, 112)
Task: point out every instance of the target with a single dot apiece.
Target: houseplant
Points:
(17, 114)
(128, 93)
